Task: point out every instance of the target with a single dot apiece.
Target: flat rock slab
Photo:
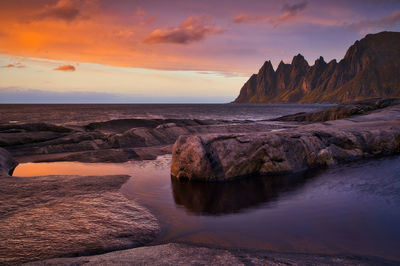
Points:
(219, 157)
(183, 254)
(56, 216)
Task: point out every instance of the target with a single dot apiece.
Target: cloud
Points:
(16, 65)
(289, 12)
(191, 30)
(143, 17)
(66, 68)
(295, 8)
(67, 10)
(385, 22)
(63, 9)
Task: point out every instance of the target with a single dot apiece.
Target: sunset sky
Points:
(168, 51)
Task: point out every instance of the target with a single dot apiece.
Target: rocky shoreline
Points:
(46, 219)
(219, 157)
(110, 141)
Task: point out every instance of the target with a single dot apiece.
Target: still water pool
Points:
(351, 209)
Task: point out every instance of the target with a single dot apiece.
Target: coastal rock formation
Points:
(185, 254)
(110, 141)
(57, 216)
(370, 68)
(7, 163)
(217, 157)
(340, 111)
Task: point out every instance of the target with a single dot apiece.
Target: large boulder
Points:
(7, 163)
(216, 157)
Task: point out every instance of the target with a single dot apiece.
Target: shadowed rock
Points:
(218, 157)
(7, 163)
(370, 68)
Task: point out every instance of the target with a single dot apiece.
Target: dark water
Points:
(350, 209)
(84, 113)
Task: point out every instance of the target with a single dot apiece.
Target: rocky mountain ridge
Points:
(370, 68)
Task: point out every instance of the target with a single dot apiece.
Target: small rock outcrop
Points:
(7, 163)
(370, 68)
(340, 111)
(219, 157)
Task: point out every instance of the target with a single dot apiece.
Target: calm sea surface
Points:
(84, 113)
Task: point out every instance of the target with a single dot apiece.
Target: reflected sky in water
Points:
(351, 209)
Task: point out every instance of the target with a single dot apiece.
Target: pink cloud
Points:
(385, 22)
(289, 12)
(191, 30)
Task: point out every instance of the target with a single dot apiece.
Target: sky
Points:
(176, 51)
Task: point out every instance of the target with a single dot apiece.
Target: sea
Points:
(86, 113)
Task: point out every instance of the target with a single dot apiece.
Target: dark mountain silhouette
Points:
(370, 68)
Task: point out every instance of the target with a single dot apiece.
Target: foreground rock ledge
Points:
(56, 216)
(218, 157)
(185, 254)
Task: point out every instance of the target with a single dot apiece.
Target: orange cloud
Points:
(66, 68)
(63, 9)
(191, 30)
(16, 65)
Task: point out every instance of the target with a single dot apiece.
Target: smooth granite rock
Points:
(57, 216)
(219, 157)
(185, 254)
(110, 141)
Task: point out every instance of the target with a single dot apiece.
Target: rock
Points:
(186, 254)
(341, 111)
(219, 157)
(57, 216)
(112, 141)
(7, 163)
(369, 69)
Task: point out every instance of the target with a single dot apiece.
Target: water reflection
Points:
(220, 198)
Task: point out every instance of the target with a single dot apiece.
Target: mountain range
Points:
(370, 68)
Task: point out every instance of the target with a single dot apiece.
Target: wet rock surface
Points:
(184, 254)
(218, 157)
(56, 216)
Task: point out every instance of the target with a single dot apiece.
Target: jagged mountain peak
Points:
(370, 68)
